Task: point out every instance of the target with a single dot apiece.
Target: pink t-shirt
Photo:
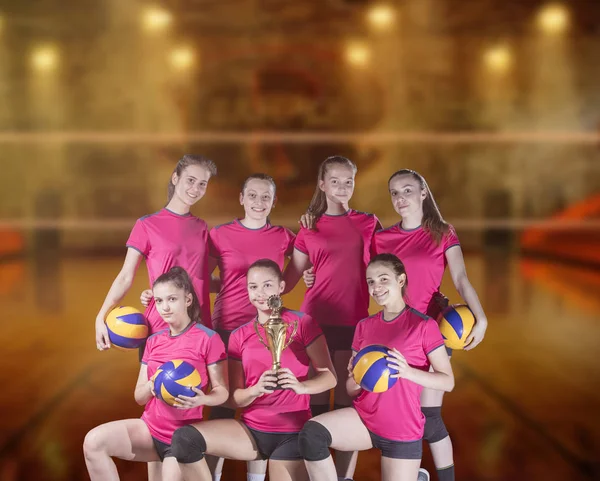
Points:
(166, 240)
(236, 247)
(283, 411)
(396, 413)
(425, 261)
(339, 251)
(198, 345)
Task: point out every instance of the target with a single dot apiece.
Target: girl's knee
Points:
(94, 442)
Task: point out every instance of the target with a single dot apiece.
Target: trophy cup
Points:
(276, 330)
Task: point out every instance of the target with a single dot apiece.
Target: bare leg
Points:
(215, 464)
(258, 467)
(345, 461)
(171, 471)
(399, 469)
(348, 433)
(155, 471)
(441, 451)
(128, 439)
(288, 470)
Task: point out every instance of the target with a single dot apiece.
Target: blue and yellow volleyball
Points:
(127, 328)
(175, 378)
(456, 323)
(371, 371)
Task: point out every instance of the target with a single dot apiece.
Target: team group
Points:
(344, 256)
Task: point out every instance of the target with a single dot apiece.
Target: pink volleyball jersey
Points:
(425, 261)
(282, 411)
(396, 413)
(198, 345)
(166, 240)
(236, 247)
(339, 250)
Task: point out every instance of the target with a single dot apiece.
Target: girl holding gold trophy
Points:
(234, 246)
(269, 360)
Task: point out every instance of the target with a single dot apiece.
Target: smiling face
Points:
(258, 198)
(407, 195)
(338, 183)
(172, 303)
(385, 286)
(191, 185)
(262, 283)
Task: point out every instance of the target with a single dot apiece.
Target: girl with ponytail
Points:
(338, 249)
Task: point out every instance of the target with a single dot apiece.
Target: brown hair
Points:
(186, 161)
(318, 204)
(267, 264)
(433, 221)
(391, 261)
(180, 278)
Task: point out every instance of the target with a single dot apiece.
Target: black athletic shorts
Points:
(339, 338)
(163, 449)
(397, 449)
(277, 446)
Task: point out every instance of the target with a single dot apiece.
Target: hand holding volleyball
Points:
(397, 362)
(102, 339)
(187, 402)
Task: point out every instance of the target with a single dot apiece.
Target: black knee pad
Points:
(435, 429)
(314, 441)
(188, 445)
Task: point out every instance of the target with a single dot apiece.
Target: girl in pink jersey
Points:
(271, 419)
(172, 236)
(234, 247)
(391, 421)
(426, 244)
(338, 249)
(149, 439)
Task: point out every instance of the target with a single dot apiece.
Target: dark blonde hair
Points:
(395, 264)
(318, 204)
(180, 279)
(186, 161)
(260, 176)
(433, 221)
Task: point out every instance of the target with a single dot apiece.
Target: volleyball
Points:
(370, 369)
(175, 378)
(456, 323)
(127, 328)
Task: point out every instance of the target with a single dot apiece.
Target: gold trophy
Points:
(276, 332)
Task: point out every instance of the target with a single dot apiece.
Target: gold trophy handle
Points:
(259, 336)
(291, 339)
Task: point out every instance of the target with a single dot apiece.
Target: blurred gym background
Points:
(495, 102)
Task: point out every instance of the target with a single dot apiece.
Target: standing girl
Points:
(390, 421)
(426, 244)
(338, 250)
(149, 439)
(234, 247)
(172, 236)
(271, 419)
